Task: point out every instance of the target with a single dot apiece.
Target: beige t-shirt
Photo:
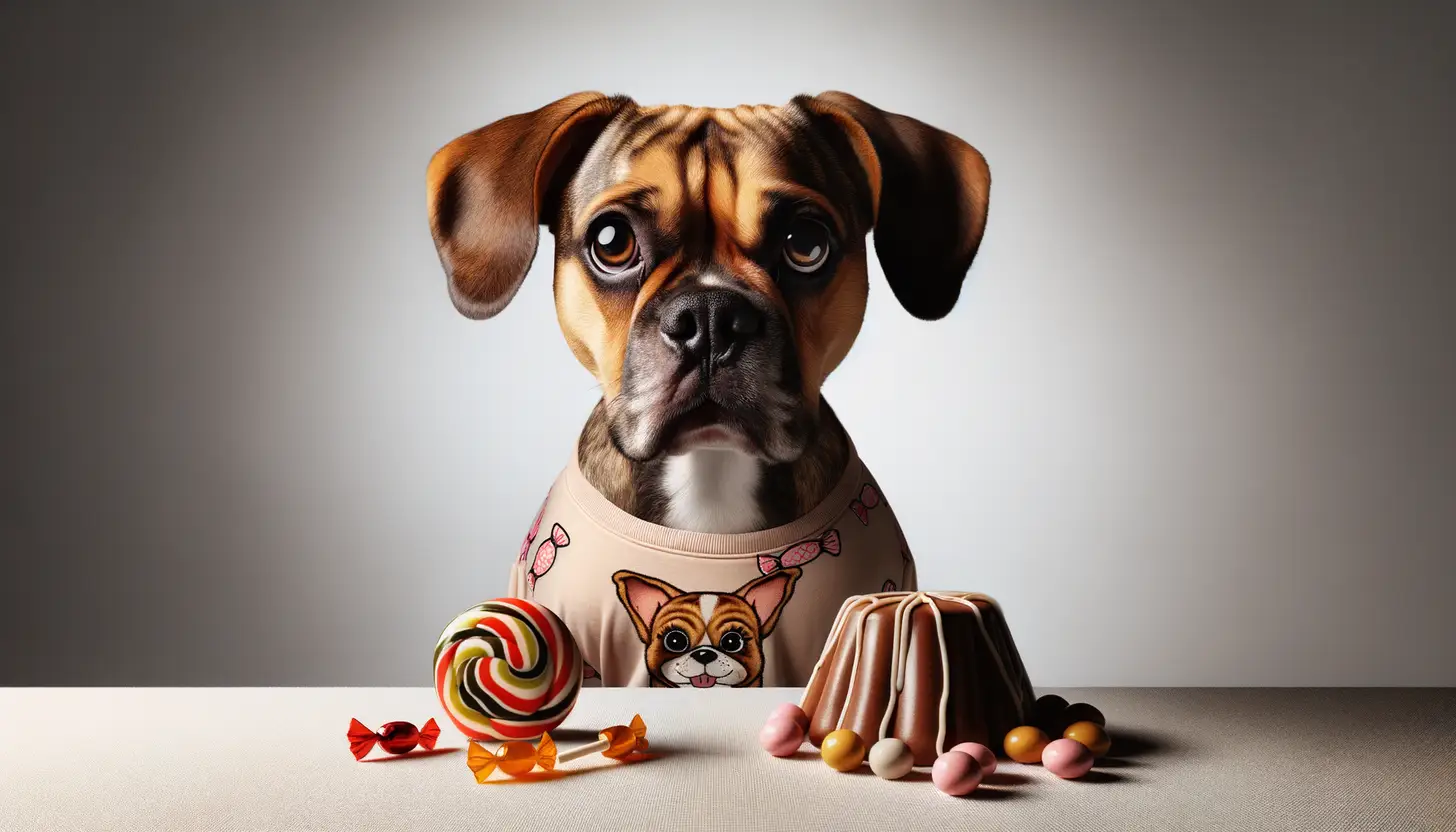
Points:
(665, 607)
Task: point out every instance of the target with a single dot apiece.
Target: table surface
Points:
(276, 758)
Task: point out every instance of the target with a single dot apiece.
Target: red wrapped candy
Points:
(394, 737)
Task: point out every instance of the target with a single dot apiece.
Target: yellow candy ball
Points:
(843, 750)
(1090, 734)
(1025, 744)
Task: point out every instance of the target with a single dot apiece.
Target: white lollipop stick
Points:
(591, 748)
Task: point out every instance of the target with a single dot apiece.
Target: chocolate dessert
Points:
(933, 669)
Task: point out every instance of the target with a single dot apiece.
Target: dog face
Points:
(705, 639)
(710, 263)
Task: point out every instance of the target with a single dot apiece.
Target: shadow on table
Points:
(1001, 785)
(601, 764)
(1130, 744)
(573, 735)
(1099, 776)
(804, 754)
(411, 755)
(991, 794)
(992, 788)
(1005, 778)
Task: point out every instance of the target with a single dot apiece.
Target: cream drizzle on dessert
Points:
(906, 602)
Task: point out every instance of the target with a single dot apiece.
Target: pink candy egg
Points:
(1067, 759)
(985, 756)
(792, 711)
(956, 773)
(781, 736)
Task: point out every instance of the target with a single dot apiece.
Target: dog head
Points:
(710, 263)
(704, 639)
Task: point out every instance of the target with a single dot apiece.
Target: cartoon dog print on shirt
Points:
(705, 639)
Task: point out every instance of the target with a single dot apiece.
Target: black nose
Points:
(704, 655)
(713, 325)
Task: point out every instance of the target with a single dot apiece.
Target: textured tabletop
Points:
(225, 759)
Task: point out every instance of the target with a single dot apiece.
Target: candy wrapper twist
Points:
(514, 758)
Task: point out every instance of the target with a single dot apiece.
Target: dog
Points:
(710, 273)
(705, 639)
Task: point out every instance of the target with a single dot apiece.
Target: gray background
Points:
(1193, 423)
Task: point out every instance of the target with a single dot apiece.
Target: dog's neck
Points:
(715, 490)
(712, 490)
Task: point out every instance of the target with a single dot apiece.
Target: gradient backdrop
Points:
(1193, 423)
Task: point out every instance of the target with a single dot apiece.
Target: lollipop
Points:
(518, 758)
(507, 669)
(617, 742)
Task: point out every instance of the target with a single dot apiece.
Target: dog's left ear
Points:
(643, 596)
(930, 192)
(768, 594)
(490, 191)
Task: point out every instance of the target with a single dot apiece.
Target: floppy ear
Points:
(643, 596)
(491, 189)
(930, 192)
(768, 594)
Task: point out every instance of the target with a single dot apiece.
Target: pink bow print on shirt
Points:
(868, 499)
(800, 553)
(546, 555)
(535, 527)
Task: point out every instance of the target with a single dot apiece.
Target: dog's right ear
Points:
(768, 595)
(930, 192)
(643, 596)
(490, 190)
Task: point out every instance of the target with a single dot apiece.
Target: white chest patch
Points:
(712, 490)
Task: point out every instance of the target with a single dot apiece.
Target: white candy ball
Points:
(891, 758)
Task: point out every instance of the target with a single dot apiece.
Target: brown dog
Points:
(710, 273)
(705, 639)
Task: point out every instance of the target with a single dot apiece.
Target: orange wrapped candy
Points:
(515, 758)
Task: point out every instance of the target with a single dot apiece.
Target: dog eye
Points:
(807, 247)
(675, 640)
(612, 245)
(732, 642)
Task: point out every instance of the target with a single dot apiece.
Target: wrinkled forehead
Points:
(735, 164)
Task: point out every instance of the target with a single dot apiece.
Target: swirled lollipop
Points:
(507, 669)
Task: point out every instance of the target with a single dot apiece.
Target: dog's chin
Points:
(707, 425)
